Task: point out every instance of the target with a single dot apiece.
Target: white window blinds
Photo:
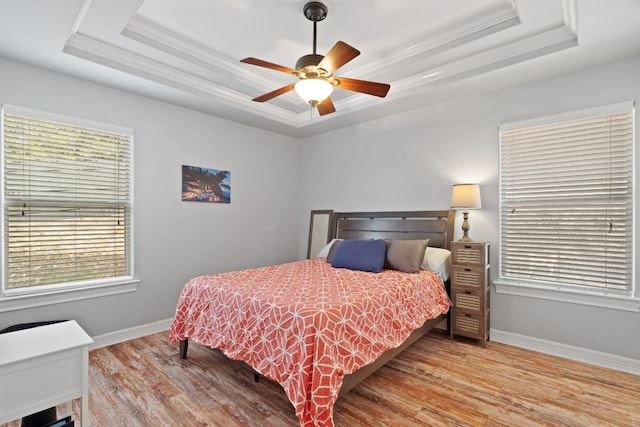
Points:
(566, 201)
(67, 201)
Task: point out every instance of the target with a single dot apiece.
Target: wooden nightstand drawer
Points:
(471, 277)
(469, 325)
(470, 290)
(471, 253)
(469, 301)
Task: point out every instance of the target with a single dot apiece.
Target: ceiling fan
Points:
(316, 71)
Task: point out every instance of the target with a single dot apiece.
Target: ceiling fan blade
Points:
(326, 106)
(273, 94)
(340, 54)
(270, 65)
(363, 86)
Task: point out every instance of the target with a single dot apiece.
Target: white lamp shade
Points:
(466, 196)
(313, 91)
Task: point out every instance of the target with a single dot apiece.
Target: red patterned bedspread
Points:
(306, 324)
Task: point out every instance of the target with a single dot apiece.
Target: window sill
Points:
(20, 302)
(612, 301)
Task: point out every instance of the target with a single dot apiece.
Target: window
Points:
(566, 195)
(67, 203)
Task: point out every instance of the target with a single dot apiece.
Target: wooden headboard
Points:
(437, 226)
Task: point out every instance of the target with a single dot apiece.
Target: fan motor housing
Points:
(308, 61)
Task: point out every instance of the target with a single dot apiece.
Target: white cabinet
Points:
(43, 367)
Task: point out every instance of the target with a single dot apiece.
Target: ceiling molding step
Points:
(94, 50)
(570, 15)
(82, 13)
(532, 46)
(159, 37)
(97, 51)
(474, 27)
(488, 21)
(89, 48)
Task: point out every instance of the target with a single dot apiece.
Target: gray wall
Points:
(410, 161)
(173, 240)
(407, 161)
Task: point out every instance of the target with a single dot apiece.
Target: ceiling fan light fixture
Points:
(313, 90)
(316, 71)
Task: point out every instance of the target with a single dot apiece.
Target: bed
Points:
(319, 328)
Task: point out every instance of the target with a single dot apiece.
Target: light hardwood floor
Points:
(435, 382)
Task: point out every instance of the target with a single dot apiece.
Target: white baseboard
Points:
(598, 358)
(130, 333)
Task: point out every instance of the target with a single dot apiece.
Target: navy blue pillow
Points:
(363, 255)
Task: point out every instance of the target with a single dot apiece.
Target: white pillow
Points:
(437, 260)
(325, 250)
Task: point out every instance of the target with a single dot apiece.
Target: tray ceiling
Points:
(187, 52)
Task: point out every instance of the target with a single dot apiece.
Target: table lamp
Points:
(465, 196)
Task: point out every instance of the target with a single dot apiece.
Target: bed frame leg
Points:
(184, 345)
(256, 377)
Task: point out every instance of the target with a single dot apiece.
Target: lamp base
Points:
(465, 228)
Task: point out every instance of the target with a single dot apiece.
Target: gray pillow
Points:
(405, 255)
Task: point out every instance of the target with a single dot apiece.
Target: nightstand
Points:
(470, 290)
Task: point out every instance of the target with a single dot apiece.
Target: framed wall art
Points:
(205, 185)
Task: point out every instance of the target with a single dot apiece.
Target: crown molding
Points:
(161, 38)
(570, 15)
(89, 48)
(529, 47)
(486, 22)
